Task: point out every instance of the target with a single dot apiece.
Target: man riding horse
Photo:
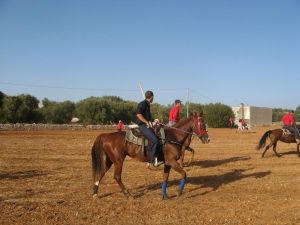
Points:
(289, 123)
(144, 119)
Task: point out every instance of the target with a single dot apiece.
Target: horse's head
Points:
(199, 127)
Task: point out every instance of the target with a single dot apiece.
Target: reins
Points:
(175, 128)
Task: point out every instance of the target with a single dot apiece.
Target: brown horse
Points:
(275, 136)
(186, 145)
(111, 148)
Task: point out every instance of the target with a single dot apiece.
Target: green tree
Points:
(278, 113)
(216, 115)
(57, 112)
(93, 110)
(160, 112)
(2, 96)
(20, 109)
(297, 113)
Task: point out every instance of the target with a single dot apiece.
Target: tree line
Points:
(25, 108)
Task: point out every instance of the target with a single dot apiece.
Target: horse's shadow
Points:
(16, 177)
(281, 154)
(291, 152)
(214, 182)
(22, 174)
(214, 163)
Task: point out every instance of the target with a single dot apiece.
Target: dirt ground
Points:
(45, 178)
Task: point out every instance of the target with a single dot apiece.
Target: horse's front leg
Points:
(298, 153)
(175, 165)
(181, 159)
(167, 169)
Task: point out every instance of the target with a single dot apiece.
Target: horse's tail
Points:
(263, 139)
(96, 157)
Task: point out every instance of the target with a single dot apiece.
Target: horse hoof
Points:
(95, 196)
(166, 197)
(129, 197)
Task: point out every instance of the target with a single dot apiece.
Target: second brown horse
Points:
(275, 136)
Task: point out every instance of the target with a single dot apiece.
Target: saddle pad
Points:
(130, 137)
(286, 132)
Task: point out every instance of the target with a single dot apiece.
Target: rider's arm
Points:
(142, 118)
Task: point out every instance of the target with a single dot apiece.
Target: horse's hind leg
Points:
(102, 172)
(274, 149)
(117, 175)
(266, 149)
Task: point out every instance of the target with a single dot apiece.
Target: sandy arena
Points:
(45, 178)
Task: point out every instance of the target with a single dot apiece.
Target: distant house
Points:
(253, 115)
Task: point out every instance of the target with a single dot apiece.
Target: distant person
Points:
(244, 124)
(144, 119)
(289, 123)
(174, 113)
(120, 126)
(231, 122)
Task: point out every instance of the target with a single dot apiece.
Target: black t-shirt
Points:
(144, 109)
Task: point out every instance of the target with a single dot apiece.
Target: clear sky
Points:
(227, 51)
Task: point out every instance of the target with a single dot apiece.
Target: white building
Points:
(253, 115)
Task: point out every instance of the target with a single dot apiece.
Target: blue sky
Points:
(227, 51)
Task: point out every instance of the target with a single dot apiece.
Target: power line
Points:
(107, 89)
(66, 88)
(84, 88)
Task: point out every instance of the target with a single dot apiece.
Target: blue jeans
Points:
(149, 134)
(171, 123)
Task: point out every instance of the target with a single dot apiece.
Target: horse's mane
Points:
(182, 122)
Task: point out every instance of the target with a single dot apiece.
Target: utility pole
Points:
(142, 90)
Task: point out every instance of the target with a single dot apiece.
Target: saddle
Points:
(286, 131)
(134, 136)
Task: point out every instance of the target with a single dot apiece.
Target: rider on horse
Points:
(289, 123)
(144, 118)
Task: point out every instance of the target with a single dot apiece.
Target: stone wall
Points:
(25, 126)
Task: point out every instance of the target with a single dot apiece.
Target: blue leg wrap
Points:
(164, 189)
(181, 184)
